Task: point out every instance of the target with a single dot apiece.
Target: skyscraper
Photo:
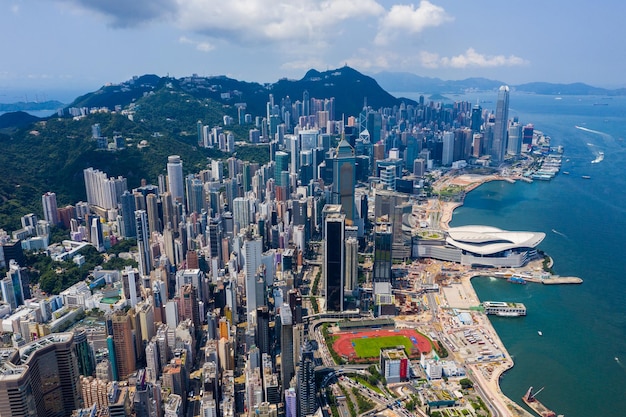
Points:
(344, 178)
(334, 248)
(103, 191)
(175, 184)
(123, 340)
(127, 201)
(252, 247)
(50, 213)
(143, 242)
(152, 209)
(499, 145)
(41, 379)
(282, 164)
(287, 368)
(352, 264)
(447, 156)
(306, 382)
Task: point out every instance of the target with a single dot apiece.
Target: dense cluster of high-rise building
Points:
(221, 255)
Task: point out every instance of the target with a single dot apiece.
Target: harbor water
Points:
(580, 357)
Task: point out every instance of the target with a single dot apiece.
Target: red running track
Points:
(343, 345)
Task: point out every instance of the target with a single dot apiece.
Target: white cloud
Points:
(403, 20)
(15, 8)
(242, 22)
(303, 64)
(470, 59)
(204, 47)
(200, 46)
(258, 21)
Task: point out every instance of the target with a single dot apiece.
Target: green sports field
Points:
(369, 347)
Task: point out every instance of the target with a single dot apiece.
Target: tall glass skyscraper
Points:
(500, 133)
(344, 178)
(175, 183)
(334, 248)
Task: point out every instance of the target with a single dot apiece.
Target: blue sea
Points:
(581, 357)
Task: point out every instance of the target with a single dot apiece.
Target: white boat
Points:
(540, 333)
(599, 158)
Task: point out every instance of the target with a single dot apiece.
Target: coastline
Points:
(490, 382)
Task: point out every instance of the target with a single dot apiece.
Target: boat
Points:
(565, 172)
(540, 333)
(599, 158)
(517, 280)
(508, 314)
(586, 177)
(531, 400)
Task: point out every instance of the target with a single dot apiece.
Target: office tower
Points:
(196, 202)
(344, 178)
(287, 367)
(96, 236)
(127, 201)
(419, 167)
(144, 400)
(153, 363)
(214, 231)
(152, 209)
(281, 165)
(175, 183)
(263, 329)
(41, 379)
(527, 134)
(84, 354)
(188, 305)
(352, 264)
(131, 285)
(291, 403)
(241, 212)
(383, 238)
(305, 103)
(381, 277)
(515, 139)
(143, 242)
(169, 214)
(123, 342)
(500, 131)
(50, 213)
(334, 248)
(8, 292)
(252, 248)
(447, 156)
(306, 382)
(477, 118)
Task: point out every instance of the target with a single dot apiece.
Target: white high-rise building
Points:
(50, 213)
(253, 249)
(103, 191)
(175, 179)
(447, 155)
(500, 132)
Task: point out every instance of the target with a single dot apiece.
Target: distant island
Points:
(408, 82)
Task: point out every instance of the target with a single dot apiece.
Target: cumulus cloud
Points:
(303, 64)
(470, 59)
(242, 21)
(200, 46)
(403, 20)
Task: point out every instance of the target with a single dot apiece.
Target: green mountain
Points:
(50, 155)
(159, 118)
(349, 87)
(14, 120)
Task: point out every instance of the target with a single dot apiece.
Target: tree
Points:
(466, 383)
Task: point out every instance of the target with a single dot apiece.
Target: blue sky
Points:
(49, 46)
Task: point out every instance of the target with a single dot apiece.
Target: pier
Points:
(542, 279)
